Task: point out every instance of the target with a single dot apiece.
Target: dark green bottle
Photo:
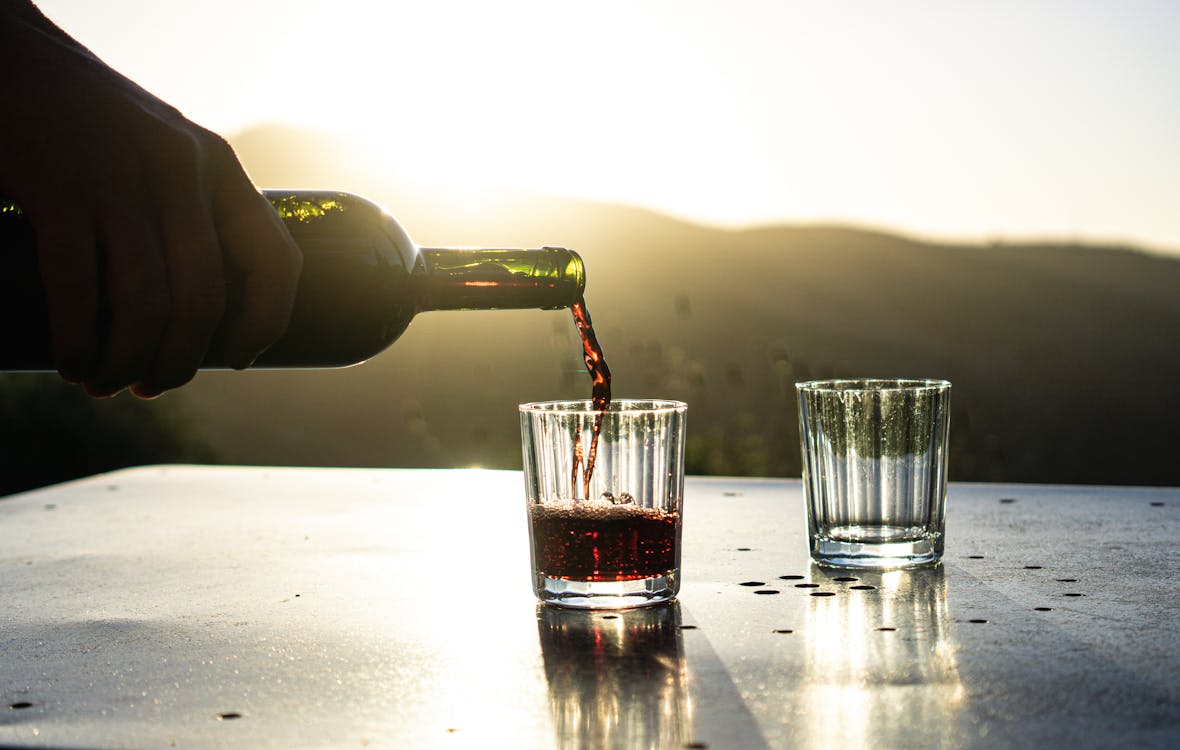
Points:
(363, 281)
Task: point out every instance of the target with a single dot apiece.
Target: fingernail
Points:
(94, 391)
(244, 363)
(147, 394)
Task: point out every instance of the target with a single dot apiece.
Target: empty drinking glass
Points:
(874, 470)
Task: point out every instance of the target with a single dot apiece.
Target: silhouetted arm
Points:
(125, 193)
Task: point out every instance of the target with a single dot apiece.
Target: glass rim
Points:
(627, 406)
(845, 385)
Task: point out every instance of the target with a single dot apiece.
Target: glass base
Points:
(641, 592)
(835, 553)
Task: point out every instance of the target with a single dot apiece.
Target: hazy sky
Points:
(989, 119)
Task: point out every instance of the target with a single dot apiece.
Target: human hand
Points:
(138, 210)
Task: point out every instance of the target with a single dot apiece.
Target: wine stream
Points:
(599, 398)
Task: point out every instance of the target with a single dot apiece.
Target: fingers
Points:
(164, 292)
(139, 297)
(163, 297)
(266, 266)
(196, 281)
(69, 273)
(136, 276)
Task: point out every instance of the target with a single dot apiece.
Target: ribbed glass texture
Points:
(604, 514)
(640, 451)
(874, 469)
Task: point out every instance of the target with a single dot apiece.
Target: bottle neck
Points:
(454, 278)
(547, 278)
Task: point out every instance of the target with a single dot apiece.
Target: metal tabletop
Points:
(250, 607)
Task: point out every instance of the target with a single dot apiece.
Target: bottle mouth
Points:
(574, 270)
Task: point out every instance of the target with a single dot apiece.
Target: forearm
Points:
(24, 28)
(20, 10)
(51, 85)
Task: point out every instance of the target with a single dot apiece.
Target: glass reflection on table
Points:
(880, 663)
(616, 679)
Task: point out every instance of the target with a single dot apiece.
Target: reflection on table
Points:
(616, 679)
(880, 666)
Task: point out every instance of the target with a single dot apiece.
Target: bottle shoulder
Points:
(338, 222)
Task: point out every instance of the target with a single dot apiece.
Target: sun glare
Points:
(570, 103)
(733, 113)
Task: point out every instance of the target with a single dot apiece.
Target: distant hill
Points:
(1064, 358)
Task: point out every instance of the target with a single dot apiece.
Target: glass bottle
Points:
(363, 280)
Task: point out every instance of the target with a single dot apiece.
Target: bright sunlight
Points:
(966, 120)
